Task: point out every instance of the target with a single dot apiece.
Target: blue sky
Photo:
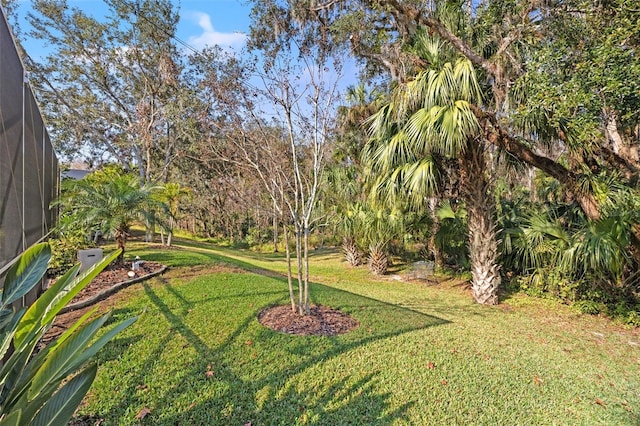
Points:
(202, 22)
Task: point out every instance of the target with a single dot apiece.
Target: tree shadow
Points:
(271, 394)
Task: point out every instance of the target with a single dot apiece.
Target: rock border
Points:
(108, 292)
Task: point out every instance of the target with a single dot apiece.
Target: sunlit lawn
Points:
(423, 354)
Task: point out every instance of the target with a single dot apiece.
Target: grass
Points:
(423, 354)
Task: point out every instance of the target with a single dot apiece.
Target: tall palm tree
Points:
(110, 201)
(428, 119)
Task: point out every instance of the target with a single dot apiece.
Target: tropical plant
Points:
(45, 387)
(379, 227)
(450, 238)
(171, 194)
(110, 201)
(558, 251)
(430, 119)
(342, 195)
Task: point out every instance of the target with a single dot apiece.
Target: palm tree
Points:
(361, 104)
(430, 119)
(342, 196)
(350, 225)
(109, 201)
(379, 226)
(171, 195)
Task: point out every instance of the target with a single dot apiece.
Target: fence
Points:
(28, 164)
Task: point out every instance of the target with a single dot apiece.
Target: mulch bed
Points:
(113, 277)
(322, 321)
(115, 274)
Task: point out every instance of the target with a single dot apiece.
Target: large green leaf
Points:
(38, 359)
(25, 379)
(6, 316)
(99, 344)
(59, 409)
(57, 296)
(11, 419)
(8, 332)
(13, 368)
(55, 367)
(32, 319)
(26, 272)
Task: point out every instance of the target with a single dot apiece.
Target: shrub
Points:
(588, 307)
(632, 318)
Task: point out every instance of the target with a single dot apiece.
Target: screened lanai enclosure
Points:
(28, 164)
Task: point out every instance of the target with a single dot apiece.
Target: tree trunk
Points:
(378, 258)
(483, 246)
(121, 242)
(435, 226)
(299, 258)
(307, 308)
(172, 224)
(287, 249)
(275, 231)
(351, 252)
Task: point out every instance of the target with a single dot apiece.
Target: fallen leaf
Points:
(208, 373)
(143, 413)
(431, 365)
(248, 343)
(601, 403)
(537, 380)
(444, 382)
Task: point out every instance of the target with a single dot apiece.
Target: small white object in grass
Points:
(131, 274)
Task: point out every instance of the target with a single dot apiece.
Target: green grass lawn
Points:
(422, 355)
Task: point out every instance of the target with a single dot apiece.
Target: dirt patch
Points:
(322, 321)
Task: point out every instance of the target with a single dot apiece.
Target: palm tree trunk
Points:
(350, 249)
(483, 245)
(121, 242)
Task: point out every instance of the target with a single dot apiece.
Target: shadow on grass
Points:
(272, 398)
(245, 388)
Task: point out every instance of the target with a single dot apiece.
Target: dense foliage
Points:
(504, 136)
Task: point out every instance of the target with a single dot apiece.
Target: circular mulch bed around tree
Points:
(322, 321)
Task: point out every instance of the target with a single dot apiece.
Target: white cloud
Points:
(211, 37)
